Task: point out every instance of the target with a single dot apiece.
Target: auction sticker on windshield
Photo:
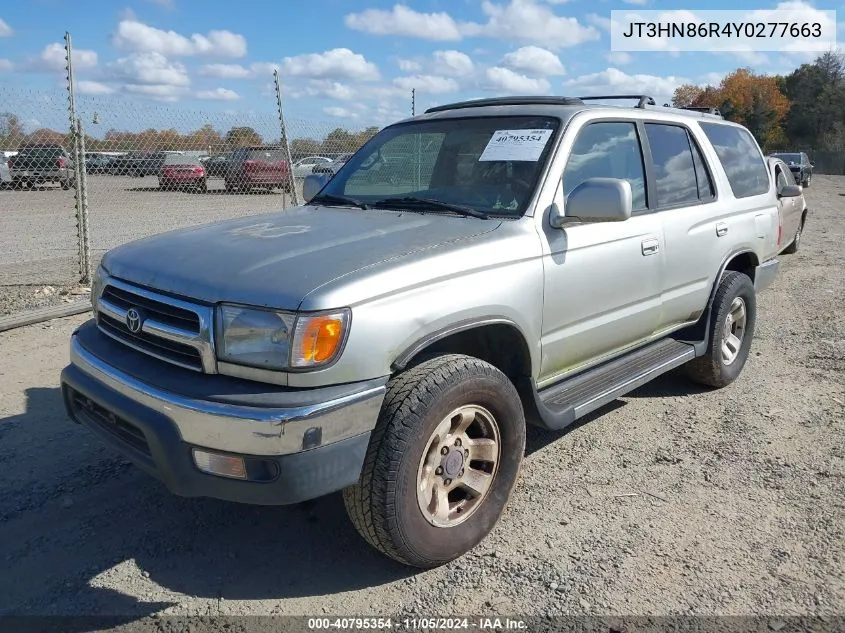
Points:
(516, 145)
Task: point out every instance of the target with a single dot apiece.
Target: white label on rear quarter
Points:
(516, 145)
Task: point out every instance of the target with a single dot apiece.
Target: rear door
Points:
(693, 232)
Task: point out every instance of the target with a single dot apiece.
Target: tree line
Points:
(206, 139)
(800, 111)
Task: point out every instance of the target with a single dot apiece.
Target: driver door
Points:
(602, 280)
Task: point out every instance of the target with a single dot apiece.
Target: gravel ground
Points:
(38, 243)
(673, 500)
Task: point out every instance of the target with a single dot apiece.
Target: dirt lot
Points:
(38, 243)
(671, 501)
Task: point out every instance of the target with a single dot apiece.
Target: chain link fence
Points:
(148, 167)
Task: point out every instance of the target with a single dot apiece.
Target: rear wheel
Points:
(732, 321)
(442, 461)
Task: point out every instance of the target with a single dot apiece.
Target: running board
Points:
(563, 403)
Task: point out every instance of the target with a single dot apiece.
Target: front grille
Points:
(166, 313)
(170, 330)
(152, 345)
(128, 433)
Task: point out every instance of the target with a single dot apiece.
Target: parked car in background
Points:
(42, 163)
(140, 164)
(216, 166)
(98, 163)
(305, 166)
(183, 172)
(800, 166)
(257, 167)
(332, 166)
(5, 174)
(792, 206)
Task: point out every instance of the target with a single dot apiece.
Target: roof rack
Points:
(642, 100)
(505, 101)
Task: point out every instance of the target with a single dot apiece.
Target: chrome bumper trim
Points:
(242, 429)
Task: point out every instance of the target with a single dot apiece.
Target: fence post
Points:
(78, 170)
(284, 138)
(82, 193)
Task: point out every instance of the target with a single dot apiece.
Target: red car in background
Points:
(258, 167)
(183, 172)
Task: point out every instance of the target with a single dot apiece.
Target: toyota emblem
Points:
(134, 320)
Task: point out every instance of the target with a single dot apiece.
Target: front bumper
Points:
(296, 444)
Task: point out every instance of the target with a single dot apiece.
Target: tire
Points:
(715, 368)
(203, 187)
(807, 180)
(796, 241)
(385, 506)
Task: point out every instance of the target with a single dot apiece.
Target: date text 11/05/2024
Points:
(724, 30)
(417, 623)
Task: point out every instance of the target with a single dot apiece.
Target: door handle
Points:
(721, 229)
(650, 246)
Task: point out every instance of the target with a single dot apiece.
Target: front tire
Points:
(442, 461)
(732, 321)
(807, 180)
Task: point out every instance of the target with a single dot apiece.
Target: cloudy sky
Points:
(348, 60)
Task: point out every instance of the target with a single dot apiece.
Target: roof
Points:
(557, 106)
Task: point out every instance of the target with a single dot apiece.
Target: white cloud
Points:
(134, 35)
(504, 79)
(149, 68)
(52, 58)
(409, 66)
(6, 64)
(599, 21)
(341, 113)
(338, 63)
(619, 57)
(453, 63)
(534, 61)
(5, 29)
(218, 94)
(431, 84)
(157, 92)
(264, 68)
(615, 81)
(328, 89)
(93, 88)
(225, 71)
(527, 21)
(405, 22)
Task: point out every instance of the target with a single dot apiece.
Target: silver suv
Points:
(523, 260)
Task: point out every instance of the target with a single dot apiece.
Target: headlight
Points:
(279, 340)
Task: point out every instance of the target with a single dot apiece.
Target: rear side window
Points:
(607, 150)
(740, 157)
(674, 169)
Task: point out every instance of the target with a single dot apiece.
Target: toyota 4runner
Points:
(524, 260)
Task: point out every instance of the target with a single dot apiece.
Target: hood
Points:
(274, 260)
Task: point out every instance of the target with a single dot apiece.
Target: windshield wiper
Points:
(330, 198)
(429, 203)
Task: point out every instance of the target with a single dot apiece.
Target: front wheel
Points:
(732, 321)
(796, 241)
(807, 180)
(442, 461)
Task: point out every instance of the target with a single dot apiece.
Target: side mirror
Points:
(597, 200)
(312, 185)
(812, 164)
(790, 191)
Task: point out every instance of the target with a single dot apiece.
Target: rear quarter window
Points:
(740, 157)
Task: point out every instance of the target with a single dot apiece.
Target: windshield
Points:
(789, 158)
(490, 164)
